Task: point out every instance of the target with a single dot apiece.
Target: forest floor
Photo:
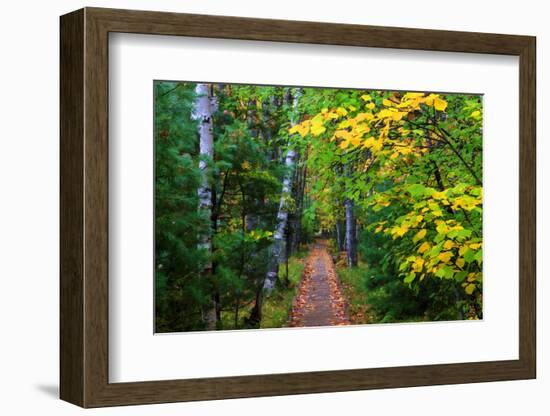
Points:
(320, 300)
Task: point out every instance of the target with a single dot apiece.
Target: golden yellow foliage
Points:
(445, 256)
(423, 247)
(448, 245)
(420, 235)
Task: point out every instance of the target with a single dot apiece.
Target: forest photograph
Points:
(288, 206)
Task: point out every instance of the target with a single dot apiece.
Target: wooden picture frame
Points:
(84, 207)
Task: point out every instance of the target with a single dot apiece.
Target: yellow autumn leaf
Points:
(344, 145)
(445, 256)
(342, 134)
(377, 145)
(401, 230)
(429, 100)
(301, 128)
(361, 117)
(318, 129)
(420, 235)
(469, 289)
(418, 264)
(370, 106)
(373, 144)
(448, 245)
(385, 113)
(475, 246)
(413, 95)
(344, 124)
(460, 262)
(387, 102)
(398, 115)
(355, 141)
(318, 119)
(424, 247)
(439, 195)
(366, 97)
(367, 144)
(439, 104)
(294, 129)
(362, 128)
(364, 116)
(341, 111)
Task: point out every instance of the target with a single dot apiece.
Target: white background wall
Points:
(29, 208)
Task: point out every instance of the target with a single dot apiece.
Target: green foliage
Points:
(411, 163)
(278, 305)
(245, 178)
(179, 291)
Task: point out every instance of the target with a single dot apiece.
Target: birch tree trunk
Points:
(340, 235)
(351, 234)
(254, 120)
(278, 247)
(300, 185)
(205, 105)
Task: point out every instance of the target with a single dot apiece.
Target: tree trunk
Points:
(205, 105)
(278, 246)
(254, 122)
(340, 235)
(301, 177)
(351, 233)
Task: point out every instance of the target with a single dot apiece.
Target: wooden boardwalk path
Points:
(319, 301)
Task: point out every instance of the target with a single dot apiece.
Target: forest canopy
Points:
(295, 206)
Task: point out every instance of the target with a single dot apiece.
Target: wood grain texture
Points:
(84, 207)
(162, 23)
(96, 208)
(527, 207)
(71, 100)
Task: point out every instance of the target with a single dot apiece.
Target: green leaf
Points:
(465, 233)
(469, 255)
(419, 235)
(460, 276)
(479, 257)
(445, 272)
(436, 250)
(410, 277)
(439, 237)
(416, 190)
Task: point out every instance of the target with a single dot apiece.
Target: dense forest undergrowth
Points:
(249, 178)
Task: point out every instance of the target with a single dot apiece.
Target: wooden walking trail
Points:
(319, 301)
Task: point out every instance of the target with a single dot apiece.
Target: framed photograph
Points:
(255, 207)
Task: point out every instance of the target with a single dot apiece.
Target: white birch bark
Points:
(204, 107)
(351, 234)
(278, 246)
